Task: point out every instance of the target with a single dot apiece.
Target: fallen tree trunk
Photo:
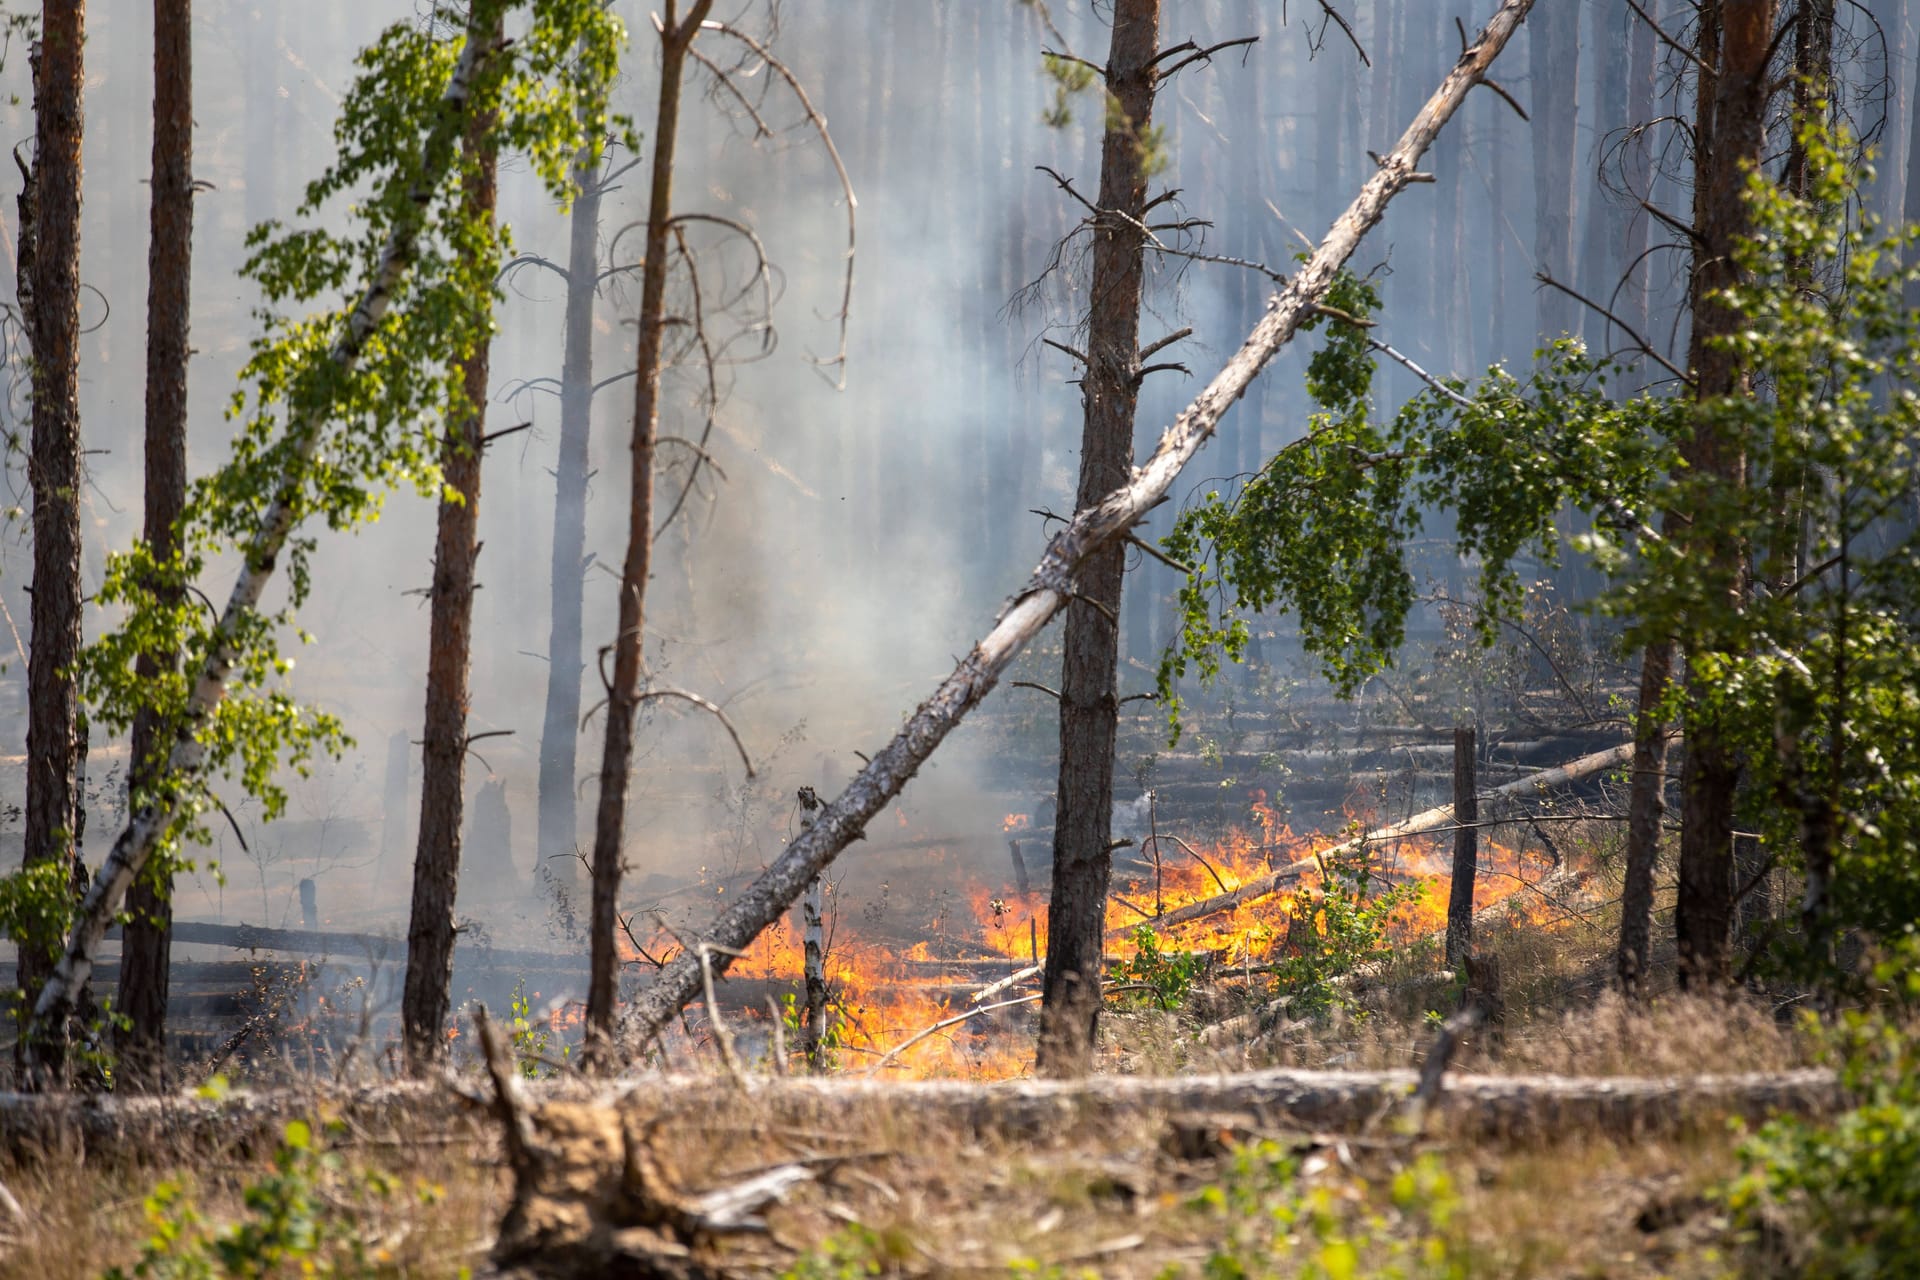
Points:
(1420, 823)
(1052, 584)
(1525, 1106)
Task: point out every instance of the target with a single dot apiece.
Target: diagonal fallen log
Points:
(1420, 823)
(1052, 584)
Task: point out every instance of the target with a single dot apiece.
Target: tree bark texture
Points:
(1466, 849)
(53, 468)
(1089, 706)
(1646, 810)
(559, 826)
(436, 865)
(623, 694)
(1735, 42)
(186, 754)
(146, 944)
(1053, 581)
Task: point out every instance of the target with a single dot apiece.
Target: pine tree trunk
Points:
(436, 866)
(559, 824)
(54, 461)
(1076, 915)
(1735, 40)
(1646, 809)
(146, 943)
(623, 695)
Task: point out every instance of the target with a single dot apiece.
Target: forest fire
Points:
(885, 991)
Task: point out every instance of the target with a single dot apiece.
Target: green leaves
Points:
(1323, 530)
(337, 407)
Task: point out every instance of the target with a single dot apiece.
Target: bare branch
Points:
(1668, 40)
(1061, 346)
(1028, 684)
(1340, 21)
(1153, 348)
(819, 123)
(1197, 55)
(711, 708)
(1639, 342)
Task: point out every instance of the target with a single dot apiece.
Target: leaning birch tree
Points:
(1054, 581)
(336, 407)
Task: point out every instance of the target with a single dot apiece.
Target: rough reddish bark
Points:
(53, 466)
(1089, 707)
(1735, 41)
(623, 694)
(146, 944)
(1646, 809)
(436, 866)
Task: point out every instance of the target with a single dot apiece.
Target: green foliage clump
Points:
(309, 1215)
(1335, 931)
(1842, 1199)
(1272, 1226)
(1324, 528)
(320, 441)
(1167, 975)
(851, 1254)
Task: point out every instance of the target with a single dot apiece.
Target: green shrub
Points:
(1271, 1225)
(1842, 1198)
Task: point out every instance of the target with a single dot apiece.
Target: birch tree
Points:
(336, 407)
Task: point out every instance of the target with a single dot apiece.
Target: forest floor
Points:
(900, 1188)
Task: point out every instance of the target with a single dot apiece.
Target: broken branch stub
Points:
(1052, 582)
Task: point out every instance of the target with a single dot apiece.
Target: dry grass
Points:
(86, 1213)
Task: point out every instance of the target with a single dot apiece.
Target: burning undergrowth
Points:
(942, 981)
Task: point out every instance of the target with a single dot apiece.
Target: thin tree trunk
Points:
(1057, 577)
(1553, 43)
(1735, 40)
(187, 755)
(1646, 809)
(146, 944)
(436, 866)
(559, 824)
(1466, 849)
(623, 694)
(1089, 708)
(1636, 176)
(54, 462)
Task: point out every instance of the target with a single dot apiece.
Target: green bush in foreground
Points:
(1842, 1198)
